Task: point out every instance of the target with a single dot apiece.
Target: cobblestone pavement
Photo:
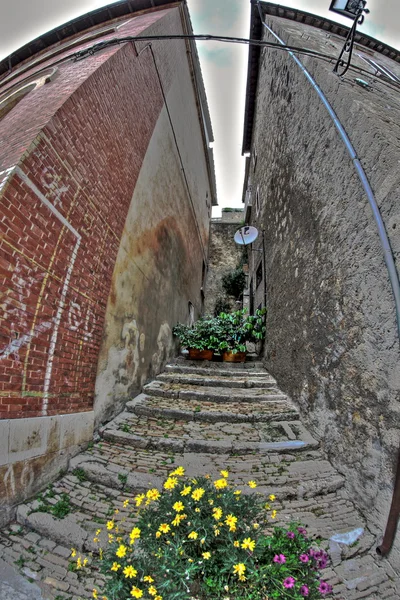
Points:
(205, 417)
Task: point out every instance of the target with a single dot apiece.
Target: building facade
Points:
(332, 336)
(106, 188)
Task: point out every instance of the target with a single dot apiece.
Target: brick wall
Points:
(63, 212)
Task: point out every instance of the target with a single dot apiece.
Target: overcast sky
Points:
(224, 66)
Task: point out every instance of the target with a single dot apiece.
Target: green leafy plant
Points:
(238, 327)
(79, 474)
(60, 509)
(205, 540)
(203, 335)
(234, 282)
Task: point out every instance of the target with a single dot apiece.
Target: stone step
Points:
(149, 432)
(265, 382)
(251, 363)
(209, 393)
(220, 372)
(208, 411)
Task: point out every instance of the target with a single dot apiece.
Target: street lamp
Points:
(352, 9)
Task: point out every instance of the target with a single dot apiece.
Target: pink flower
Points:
(304, 558)
(279, 558)
(289, 582)
(290, 535)
(304, 591)
(324, 588)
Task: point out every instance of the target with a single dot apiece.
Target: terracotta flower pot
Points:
(200, 354)
(237, 357)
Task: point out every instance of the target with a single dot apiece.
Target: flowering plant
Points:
(202, 539)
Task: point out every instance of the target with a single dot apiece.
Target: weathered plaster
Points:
(33, 451)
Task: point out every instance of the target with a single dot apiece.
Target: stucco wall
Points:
(331, 331)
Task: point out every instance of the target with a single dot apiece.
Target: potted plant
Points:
(237, 328)
(201, 340)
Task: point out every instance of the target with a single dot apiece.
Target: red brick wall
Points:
(57, 258)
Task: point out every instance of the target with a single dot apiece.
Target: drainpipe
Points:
(394, 513)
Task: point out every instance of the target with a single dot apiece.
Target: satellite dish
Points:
(246, 235)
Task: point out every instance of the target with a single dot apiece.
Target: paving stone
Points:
(205, 417)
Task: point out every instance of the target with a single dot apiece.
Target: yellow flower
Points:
(121, 551)
(193, 535)
(236, 543)
(203, 541)
(224, 473)
(239, 569)
(130, 572)
(134, 535)
(198, 493)
(101, 553)
(178, 519)
(148, 579)
(158, 534)
(252, 484)
(170, 483)
(197, 510)
(238, 492)
(164, 528)
(267, 506)
(272, 497)
(256, 526)
(152, 590)
(153, 494)
(110, 525)
(178, 506)
(116, 511)
(273, 514)
(79, 563)
(110, 538)
(158, 598)
(85, 562)
(216, 532)
(217, 513)
(242, 578)
(220, 484)
(115, 566)
(95, 594)
(210, 502)
(136, 593)
(186, 490)
(98, 531)
(248, 544)
(206, 555)
(179, 471)
(139, 499)
(126, 502)
(231, 521)
(73, 552)
(95, 539)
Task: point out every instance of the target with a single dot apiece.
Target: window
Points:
(259, 275)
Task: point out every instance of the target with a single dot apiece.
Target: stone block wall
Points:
(332, 339)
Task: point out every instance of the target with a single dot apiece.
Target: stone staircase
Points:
(205, 417)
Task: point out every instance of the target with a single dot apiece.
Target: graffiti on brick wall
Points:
(53, 186)
(81, 320)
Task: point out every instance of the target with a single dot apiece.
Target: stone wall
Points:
(224, 257)
(332, 339)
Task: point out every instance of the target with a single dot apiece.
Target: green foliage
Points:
(123, 478)
(234, 282)
(60, 509)
(225, 332)
(20, 562)
(79, 474)
(204, 335)
(202, 539)
(237, 328)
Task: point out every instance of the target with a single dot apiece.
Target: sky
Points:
(224, 66)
